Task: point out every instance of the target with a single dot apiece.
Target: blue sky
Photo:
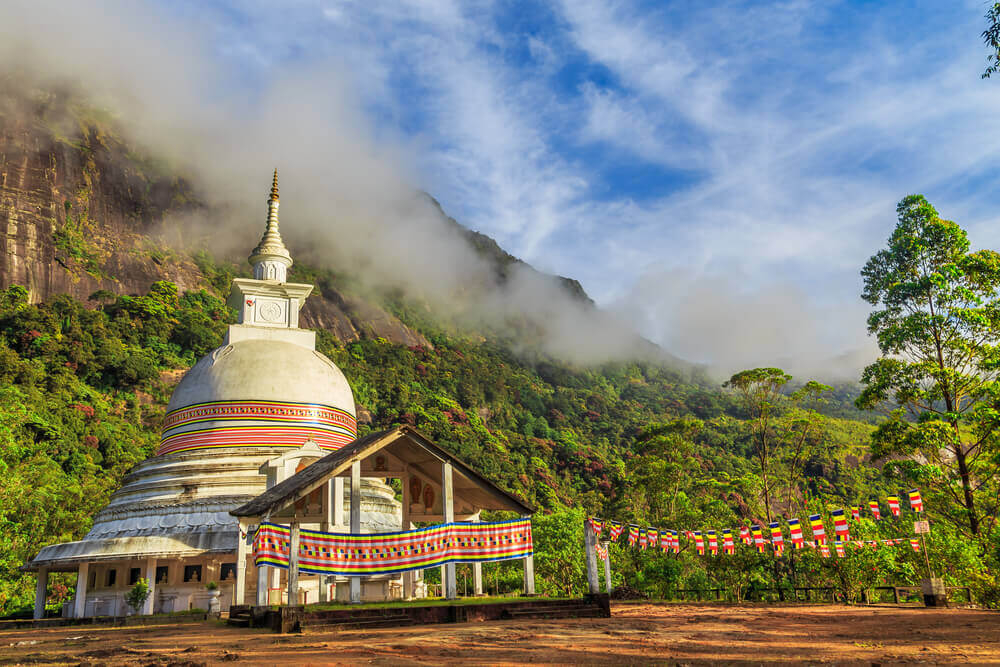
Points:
(717, 172)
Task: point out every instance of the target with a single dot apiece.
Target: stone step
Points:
(356, 624)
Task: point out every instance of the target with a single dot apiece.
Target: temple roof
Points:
(406, 444)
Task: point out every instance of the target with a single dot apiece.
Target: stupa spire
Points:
(270, 259)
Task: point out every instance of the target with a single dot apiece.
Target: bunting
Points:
(758, 538)
(665, 541)
(699, 543)
(777, 538)
(675, 541)
(840, 525)
(795, 533)
(727, 542)
(819, 532)
(893, 505)
(653, 536)
(915, 544)
(386, 553)
(875, 510)
(856, 512)
(841, 551)
(643, 539)
(597, 525)
(916, 503)
(602, 551)
(824, 550)
(633, 535)
(713, 543)
(616, 530)
(745, 535)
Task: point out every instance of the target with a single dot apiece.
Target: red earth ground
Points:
(636, 634)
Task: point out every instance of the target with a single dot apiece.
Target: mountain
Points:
(99, 318)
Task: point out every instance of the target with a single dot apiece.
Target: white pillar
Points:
(409, 582)
(607, 568)
(263, 580)
(293, 563)
(338, 502)
(148, 605)
(41, 591)
(356, 521)
(240, 586)
(326, 526)
(589, 542)
(448, 580)
(477, 578)
(80, 603)
(529, 570)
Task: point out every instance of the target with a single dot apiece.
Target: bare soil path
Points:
(636, 634)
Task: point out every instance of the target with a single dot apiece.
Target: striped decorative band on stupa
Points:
(255, 424)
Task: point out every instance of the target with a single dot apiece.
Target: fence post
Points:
(589, 542)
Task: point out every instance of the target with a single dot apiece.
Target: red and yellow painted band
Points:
(277, 411)
(284, 424)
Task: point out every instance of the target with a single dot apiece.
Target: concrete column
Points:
(338, 502)
(589, 542)
(326, 526)
(240, 586)
(80, 602)
(293, 564)
(529, 570)
(607, 570)
(41, 591)
(477, 579)
(356, 522)
(448, 580)
(262, 584)
(149, 604)
(408, 577)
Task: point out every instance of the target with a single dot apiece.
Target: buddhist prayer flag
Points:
(653, 534)
(713, 543)
(841, 552)
(675, 541)
(745, 535)
(727, 541)
(916, 503)
(840, 524)
(665, 541)
(875, 510)
(777, 538)
(915, 544)
(633, 535)
(824, 550)
(643, 539)
(819, 532)
(893, 505)
(597, 526)
(616, 530)
(384, 553)
(758, 538)
(699, 543)
(602, 551)
(795, 533)
(856, 512)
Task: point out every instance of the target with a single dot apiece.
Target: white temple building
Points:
(247, 416)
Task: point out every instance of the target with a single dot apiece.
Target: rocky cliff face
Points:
(78, 206)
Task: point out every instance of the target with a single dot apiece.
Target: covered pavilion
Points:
(437, 488)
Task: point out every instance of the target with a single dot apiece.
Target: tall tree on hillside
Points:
(992, 38)
(937, 321)
(783, 434)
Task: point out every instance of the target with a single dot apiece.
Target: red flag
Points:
(875, 510)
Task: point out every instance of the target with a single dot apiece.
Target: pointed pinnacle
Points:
(274, 186)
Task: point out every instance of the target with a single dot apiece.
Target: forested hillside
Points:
(85, 377)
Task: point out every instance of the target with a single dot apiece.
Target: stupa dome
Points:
(260, 393)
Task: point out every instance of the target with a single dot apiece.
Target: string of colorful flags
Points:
(710, 540)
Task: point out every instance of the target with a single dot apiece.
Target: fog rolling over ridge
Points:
(350, 195)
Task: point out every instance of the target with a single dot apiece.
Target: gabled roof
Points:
(311, 477)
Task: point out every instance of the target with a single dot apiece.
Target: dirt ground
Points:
(636, 634)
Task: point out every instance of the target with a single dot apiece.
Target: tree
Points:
(782, 439)
(937, 321)
(992, 38)
(137, 595)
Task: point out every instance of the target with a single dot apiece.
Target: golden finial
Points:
(274, 186)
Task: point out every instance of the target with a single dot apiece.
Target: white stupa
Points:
(246, 416)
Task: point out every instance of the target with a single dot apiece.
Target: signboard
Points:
(921, 527)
